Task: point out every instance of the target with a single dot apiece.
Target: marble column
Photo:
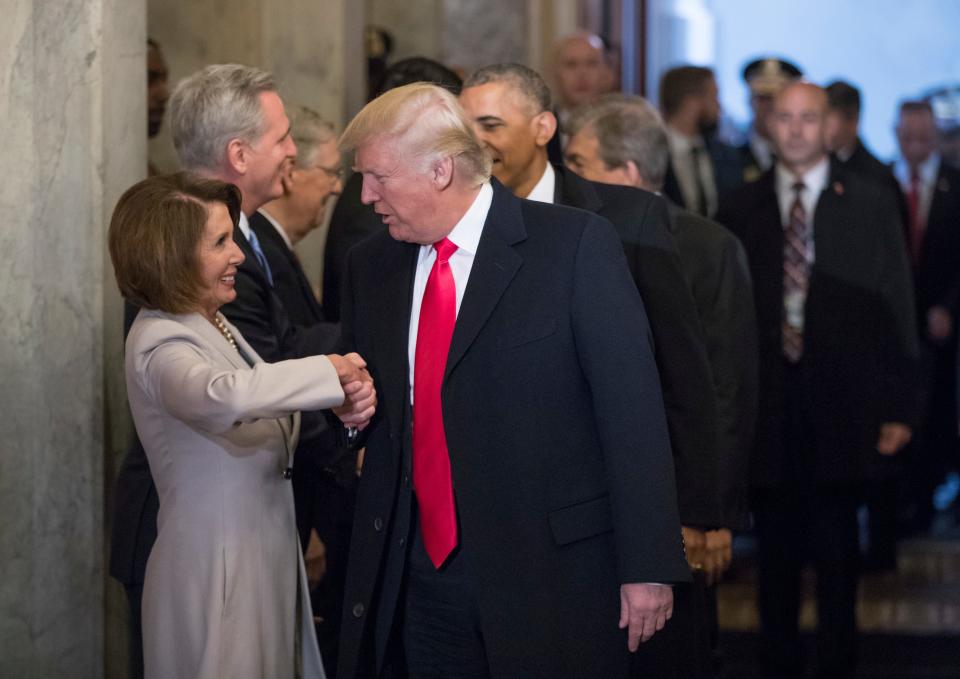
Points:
(314, 49)
(72, 115)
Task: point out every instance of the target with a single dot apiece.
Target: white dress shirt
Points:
(244, 226)
(466, 236)
(928, 171)
(544, 190)
(761, 149)
(681, 158)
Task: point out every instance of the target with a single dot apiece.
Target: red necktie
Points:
(796, 276)
(431, 461)
(916, 224)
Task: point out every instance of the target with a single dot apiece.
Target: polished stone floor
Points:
(909, 618)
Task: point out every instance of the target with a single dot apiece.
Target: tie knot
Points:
(798, 187)
(445, 248)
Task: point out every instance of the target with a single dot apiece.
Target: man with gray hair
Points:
(622, 140)
(517, 496)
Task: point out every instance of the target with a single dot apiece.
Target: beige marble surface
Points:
(72, 114)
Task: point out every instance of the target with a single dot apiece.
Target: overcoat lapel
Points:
(494, 266)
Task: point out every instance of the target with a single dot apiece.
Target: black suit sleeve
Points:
(614, 347)
(681, 355)
(730, 327)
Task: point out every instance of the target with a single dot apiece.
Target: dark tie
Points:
(700, 199)
(431, 461)
(796, 276)
(916, 224)
(258, 251)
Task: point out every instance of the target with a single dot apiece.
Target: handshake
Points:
(360, 397)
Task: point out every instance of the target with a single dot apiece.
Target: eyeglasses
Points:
(336, 172)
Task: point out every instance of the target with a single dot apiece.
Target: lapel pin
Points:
(838, 188)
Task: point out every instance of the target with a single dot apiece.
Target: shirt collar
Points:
(244, 226)
(466, 233)
(814, 180)
(543, 192)
(928, 170)
(278, 227)
(680, 142)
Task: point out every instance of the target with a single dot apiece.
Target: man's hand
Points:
(695, 547)
(360, 397)
(939, 324)
(644, 610)
(893, 437)
(718, 554)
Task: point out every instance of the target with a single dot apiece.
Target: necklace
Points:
(225, 331)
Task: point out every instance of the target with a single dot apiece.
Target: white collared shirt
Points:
(761, 149)
(928, 171)
(466, 236)
(681, 158)
(244, 225)
(815, 181)
(543, 192)
(278, 227)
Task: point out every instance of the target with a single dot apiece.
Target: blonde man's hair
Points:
(430, 124)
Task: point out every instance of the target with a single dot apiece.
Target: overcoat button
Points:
(288, 473)
(358, 610)
(378, 524)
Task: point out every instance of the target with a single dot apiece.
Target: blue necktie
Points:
(255, 244)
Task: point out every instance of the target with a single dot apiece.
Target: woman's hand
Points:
(360, 397)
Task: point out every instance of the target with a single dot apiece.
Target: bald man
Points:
(837, 350)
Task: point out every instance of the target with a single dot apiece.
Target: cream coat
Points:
(220, 596)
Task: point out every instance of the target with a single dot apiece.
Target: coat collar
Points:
(575, 191)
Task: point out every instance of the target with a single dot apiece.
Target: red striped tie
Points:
(431, 461)
(796, 276)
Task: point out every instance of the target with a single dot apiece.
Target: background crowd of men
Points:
(801, 298)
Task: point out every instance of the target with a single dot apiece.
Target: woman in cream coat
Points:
(225, 592)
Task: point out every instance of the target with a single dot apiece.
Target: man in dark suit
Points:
(837, 391)
(853, 158)
(701, 166)
(622, 141)
(544, 503)
(352, 221)
(509, 105)
(256, 164)
(931, 190)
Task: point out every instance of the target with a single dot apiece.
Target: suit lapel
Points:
(494, 266)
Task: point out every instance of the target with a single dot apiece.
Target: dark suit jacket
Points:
(727, 162)
(350, 223)
(642, 223)
(289, 281)
(716, 268)
(864, 164)
(558, 443)
(860, 349)
(937, 274)
(263, 321)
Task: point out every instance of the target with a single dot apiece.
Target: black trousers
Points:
(135, 597)
(798, 521)
(442, 636)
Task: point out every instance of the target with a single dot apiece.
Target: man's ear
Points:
(633, 174)
(288, 179)
(237, 156)
(441, 172)
(545, 125)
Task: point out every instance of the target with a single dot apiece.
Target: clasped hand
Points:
(360, 396)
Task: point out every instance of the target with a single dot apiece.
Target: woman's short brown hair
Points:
(154, 234)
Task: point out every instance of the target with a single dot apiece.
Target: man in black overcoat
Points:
(837, 386)
(544, 540)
